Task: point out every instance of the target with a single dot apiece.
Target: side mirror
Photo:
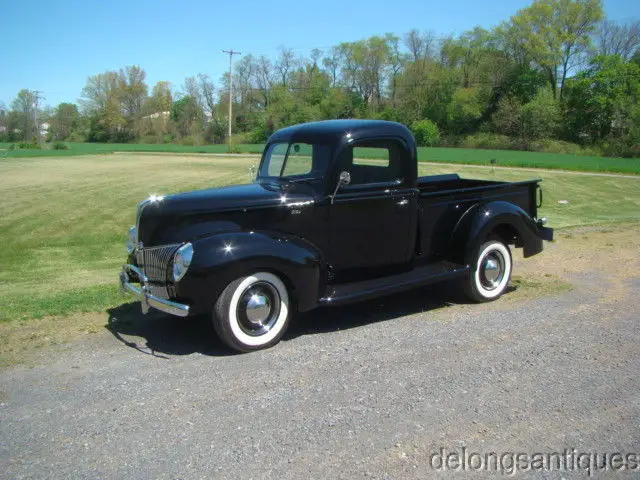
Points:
(343, 179)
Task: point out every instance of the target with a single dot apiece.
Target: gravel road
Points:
(367, 391)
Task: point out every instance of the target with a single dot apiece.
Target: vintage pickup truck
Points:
(336, 214)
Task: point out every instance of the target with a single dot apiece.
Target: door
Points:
(373, 219)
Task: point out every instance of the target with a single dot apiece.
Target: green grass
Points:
(64, 219)
(107, 148)
(510, 158)
(505, 158)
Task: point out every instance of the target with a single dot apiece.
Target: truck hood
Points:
(182, 216)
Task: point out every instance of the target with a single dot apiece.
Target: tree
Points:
(540, 118)
(556, 34)
(64, 120)
(507, 120)
(465, 110)
(284, 65)
(396, 61)
(331, 63)
(420, 45)
(618, 39)
(186, 115)
(132, 90)
(603, 100)
(99, 91)
(4, 130)
(25, 107)
(426, 132)
(364, 67)
(207, 94)
(160, 100)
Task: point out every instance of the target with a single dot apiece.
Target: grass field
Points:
(64, 219)
(425, 154)
(105, 148)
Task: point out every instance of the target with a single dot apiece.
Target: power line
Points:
(231, 53)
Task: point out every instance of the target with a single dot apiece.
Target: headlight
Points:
(132, 239)
(181, 261)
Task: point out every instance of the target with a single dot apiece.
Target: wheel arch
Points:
(507, 221)
(222, 258)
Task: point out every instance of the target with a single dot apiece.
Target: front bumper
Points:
(146, 299)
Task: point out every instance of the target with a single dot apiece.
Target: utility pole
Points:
(231, 53)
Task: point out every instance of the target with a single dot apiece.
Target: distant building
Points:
(164, 115)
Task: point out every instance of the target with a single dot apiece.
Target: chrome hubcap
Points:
(258, 308)
(492, 270)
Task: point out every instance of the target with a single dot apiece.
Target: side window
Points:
(375, 162)
(371, 156)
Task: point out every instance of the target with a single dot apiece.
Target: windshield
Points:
(287, 160)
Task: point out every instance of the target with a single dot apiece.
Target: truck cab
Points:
(336, 214)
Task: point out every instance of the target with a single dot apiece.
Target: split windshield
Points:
(293, 160)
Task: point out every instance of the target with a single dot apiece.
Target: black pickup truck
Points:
(323, 225)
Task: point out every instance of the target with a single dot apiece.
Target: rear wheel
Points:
(253, 312)
(490, 273)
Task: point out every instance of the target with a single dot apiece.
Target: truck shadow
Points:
(330, 319)
(162, 335)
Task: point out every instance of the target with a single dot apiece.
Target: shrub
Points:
(507, 118)
(489, 141)
(60, 146)
(76, 137)
(148, 139)
(540, 117)
(549, 145)
(189, 141)
(233, 144)
(426, 132)
(621, 147)
(27, 146)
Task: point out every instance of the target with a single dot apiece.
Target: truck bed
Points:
(444, 198)
(440, 184)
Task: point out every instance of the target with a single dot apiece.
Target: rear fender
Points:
(477, 224)
(221, 258)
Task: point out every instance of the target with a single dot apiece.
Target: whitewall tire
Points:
(491, 268)
(253, 312)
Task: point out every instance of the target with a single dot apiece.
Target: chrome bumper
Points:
(146, 299)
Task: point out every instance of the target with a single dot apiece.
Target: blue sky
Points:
(53, 46)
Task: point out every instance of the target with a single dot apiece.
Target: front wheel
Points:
(490, 273)
(253, 312)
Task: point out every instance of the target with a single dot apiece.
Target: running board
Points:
(356, 291)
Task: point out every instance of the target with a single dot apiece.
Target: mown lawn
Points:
(64, 219)
(425, 154)
(105, 148)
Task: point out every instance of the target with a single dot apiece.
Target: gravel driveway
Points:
(373, 390)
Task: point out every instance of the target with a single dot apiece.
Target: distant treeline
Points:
(557, 76)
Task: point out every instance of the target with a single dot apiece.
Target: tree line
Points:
(557, 76)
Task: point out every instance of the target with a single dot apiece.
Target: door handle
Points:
(402, 203)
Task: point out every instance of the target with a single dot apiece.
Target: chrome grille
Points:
(162, 291)
(155, 263)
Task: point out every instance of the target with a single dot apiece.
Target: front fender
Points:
(221, 258)
(482, 219)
